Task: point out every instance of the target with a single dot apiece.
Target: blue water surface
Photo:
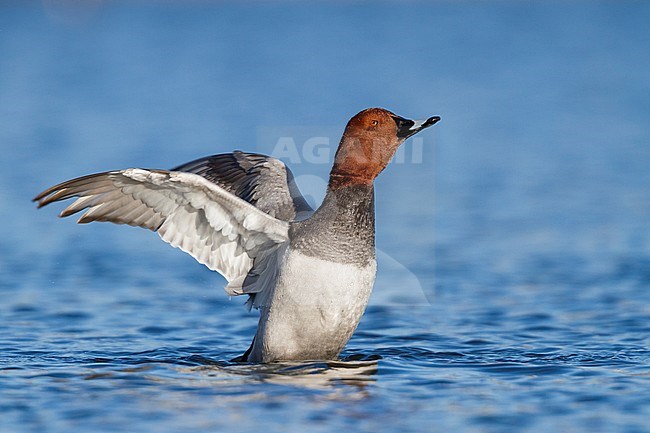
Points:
(513, 236)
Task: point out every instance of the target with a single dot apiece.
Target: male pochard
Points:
(310, 273)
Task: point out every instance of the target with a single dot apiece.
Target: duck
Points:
(309, 272)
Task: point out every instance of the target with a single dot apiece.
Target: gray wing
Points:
(263, 181)
(217, 228)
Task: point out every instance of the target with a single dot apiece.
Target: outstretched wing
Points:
(263, 181)
(220, 230)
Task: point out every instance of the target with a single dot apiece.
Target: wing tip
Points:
(66, 213)
(42, 198)
(42, 201)
(83, 219)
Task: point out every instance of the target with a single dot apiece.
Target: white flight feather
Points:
(217, 228)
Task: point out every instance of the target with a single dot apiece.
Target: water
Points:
(515, 253)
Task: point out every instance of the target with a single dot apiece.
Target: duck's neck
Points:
(343, 227)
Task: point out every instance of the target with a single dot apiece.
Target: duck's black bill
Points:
(407, 127)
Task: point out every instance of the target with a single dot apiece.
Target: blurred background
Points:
(519, 224)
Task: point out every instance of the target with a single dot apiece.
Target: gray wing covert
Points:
(266, 183)
(263, 181)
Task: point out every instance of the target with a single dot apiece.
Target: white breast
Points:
(314, 309)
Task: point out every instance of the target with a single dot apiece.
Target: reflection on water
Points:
(316, 375)
(321, 375)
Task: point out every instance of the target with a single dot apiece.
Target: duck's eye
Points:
(375, 122)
